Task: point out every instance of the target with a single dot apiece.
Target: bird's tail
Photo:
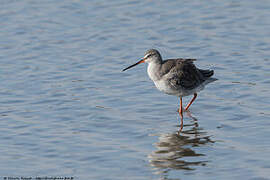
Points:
(207, 76)
(206, 73)
(209, 80)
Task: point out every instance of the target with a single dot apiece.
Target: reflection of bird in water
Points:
(194, 125)
(173, 150)
(179, 77)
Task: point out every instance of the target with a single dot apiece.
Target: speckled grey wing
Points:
(184, 75)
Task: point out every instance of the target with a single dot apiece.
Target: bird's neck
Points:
(153, 70)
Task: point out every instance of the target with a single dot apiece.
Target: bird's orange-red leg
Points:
(194, 97)
(181, 114)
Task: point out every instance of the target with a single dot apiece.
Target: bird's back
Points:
(183, 74)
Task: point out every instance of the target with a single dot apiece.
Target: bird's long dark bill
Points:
(141, 61)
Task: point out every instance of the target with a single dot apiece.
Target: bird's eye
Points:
(149, 55)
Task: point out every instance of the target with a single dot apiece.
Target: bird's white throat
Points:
(153, 71)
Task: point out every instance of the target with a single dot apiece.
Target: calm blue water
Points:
(67, 110)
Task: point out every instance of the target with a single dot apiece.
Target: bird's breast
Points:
(160, 81)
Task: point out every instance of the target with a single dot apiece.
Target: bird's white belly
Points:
(165, 87)
(168, 89)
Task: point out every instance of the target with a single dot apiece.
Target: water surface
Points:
(68, 110)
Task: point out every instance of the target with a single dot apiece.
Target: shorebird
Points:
(179, 77)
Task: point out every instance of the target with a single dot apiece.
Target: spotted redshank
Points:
(179, 77)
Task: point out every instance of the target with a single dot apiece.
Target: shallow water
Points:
(68, 110)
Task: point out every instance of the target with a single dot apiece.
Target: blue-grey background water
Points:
(66, 109)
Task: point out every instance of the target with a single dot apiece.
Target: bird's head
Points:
(151, 55)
